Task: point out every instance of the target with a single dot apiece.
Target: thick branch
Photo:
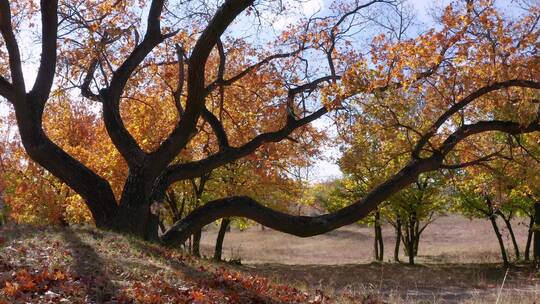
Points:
(6, 89)
(196, 92)
(122, 139)
(303, 226)
(465, 131)
(85, 87)
(197, 168)
(47, 66)
(217, 127)
(12, 47)
(177, 94)
(93, 188)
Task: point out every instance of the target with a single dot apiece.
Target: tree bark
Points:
(530, 231)
(221, 236)
(136, 215)
(508, 223)
(378, 244)
(302, 226)
(398, 239)
(416, 237)
(536, 248)
(196, 251)
(493, 221)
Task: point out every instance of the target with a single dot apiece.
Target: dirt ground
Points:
(459, 262)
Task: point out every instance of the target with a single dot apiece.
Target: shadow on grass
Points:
(202, 276)
(89, 267)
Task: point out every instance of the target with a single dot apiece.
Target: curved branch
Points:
(303, 226)
(93, 188)
(12, 47)
(465, 131)
(197, 168)
(196, 92)
(6, 89)
(85, 87)
(217, 127)
(466, 101)
(120, 136)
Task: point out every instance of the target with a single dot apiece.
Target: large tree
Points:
(454, 78)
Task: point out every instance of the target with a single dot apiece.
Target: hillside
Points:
(458, 264)
(82, 265)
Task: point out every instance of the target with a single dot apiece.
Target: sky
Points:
(326, 168)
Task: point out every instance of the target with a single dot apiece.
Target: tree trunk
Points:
(536, 248)
(408, 239)
(136, 214)
(508, 223)
(398, 239)
(493, 221)
(527, 253)
(378, 244)
(416, 237)
(196, 251)
(221, 236)
(381, 245)
(410, 249)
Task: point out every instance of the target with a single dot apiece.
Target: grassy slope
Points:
(83, 265)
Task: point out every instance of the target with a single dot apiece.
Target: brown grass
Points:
(459, 262)
(450, 239)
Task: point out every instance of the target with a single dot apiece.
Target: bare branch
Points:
(217, 127)
(15, 65)
(475, 162)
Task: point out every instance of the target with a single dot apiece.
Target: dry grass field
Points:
(458, 262)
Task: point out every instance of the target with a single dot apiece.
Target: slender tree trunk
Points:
(493, 221)
(196, 251)
(536, 236)
(508, 223)
(408, 239)
(416, 237)
(221, 236)
(527, 253)
(398, 239)
(378, 244)
(381, 245)
(410, 249)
